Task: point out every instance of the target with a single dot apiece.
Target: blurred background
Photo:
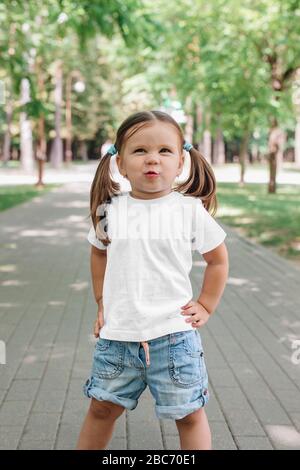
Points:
(70, 71)
(227, 71)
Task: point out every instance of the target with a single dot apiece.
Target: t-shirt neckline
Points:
(168, 196)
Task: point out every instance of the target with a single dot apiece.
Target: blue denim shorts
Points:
(177, 376)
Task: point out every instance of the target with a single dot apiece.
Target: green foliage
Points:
(132, 54)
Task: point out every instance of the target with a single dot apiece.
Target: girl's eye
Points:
(163, 150)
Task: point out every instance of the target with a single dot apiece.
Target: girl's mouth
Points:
(151, 174)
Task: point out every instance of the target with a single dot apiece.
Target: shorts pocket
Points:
(103, 344)
(186, 359)
(108, 360)
(193, 344)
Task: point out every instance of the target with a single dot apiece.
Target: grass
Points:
(13, 195)
(272, 220)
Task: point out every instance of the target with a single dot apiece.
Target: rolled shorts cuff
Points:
(180, 411)
(92, 389)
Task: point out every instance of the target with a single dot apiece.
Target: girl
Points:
(141, 256)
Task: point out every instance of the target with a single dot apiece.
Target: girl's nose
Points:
(152, 157)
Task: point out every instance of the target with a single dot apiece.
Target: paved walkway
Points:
(46, 316)
(81, 172)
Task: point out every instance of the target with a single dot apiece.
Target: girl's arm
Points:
(98, 266)
(215, 277)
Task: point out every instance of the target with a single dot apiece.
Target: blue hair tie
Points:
(187, 146)
(112, 150)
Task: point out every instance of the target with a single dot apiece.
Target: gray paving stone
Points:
(290, 399)
(213, 410)
(222, 377)
(81, 369)
(67, 437)
(238, 412)
(41, 426)
(253, 443)
(22, 388)
(117, 443)
(36, 445)
(172, 442)
(120, 426)
(221, 437)
(10, 436)
(144, 430)
(75, 411)
(31, 370)
(14, 413)
(49, 401)
(55, 379)
(295, 417)
(75, 389)
(169, 427)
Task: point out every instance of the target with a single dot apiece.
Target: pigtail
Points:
(103, 188)
(201, 182)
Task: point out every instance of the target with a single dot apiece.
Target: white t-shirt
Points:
(149, 259)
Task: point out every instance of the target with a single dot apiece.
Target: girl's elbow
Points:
(218, 255)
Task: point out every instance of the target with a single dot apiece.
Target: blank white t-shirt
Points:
(149, 260)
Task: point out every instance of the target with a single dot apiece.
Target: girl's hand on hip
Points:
(197, 314)
(99, 322)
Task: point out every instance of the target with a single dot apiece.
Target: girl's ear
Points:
(181, 163)
(118, 161)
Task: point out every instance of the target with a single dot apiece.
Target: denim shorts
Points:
(177, 376)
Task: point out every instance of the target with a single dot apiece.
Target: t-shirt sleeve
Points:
(208, 234)
(91, 237)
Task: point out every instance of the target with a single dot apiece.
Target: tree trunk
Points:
(188, 134)
(69, 118)
(272, 155)
(275, 135)
(56, 155)
(83, 151)
(254, 153)
(189, 125)
(41, 142)
(219, 148)
(7, 135)
(207, 139)
(281, 142)
(26, 158)
(243, 155)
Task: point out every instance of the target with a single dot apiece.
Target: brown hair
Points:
(201, 182)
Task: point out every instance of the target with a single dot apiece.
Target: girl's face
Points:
(153, 148)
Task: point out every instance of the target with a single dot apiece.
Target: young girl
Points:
(141, 256)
